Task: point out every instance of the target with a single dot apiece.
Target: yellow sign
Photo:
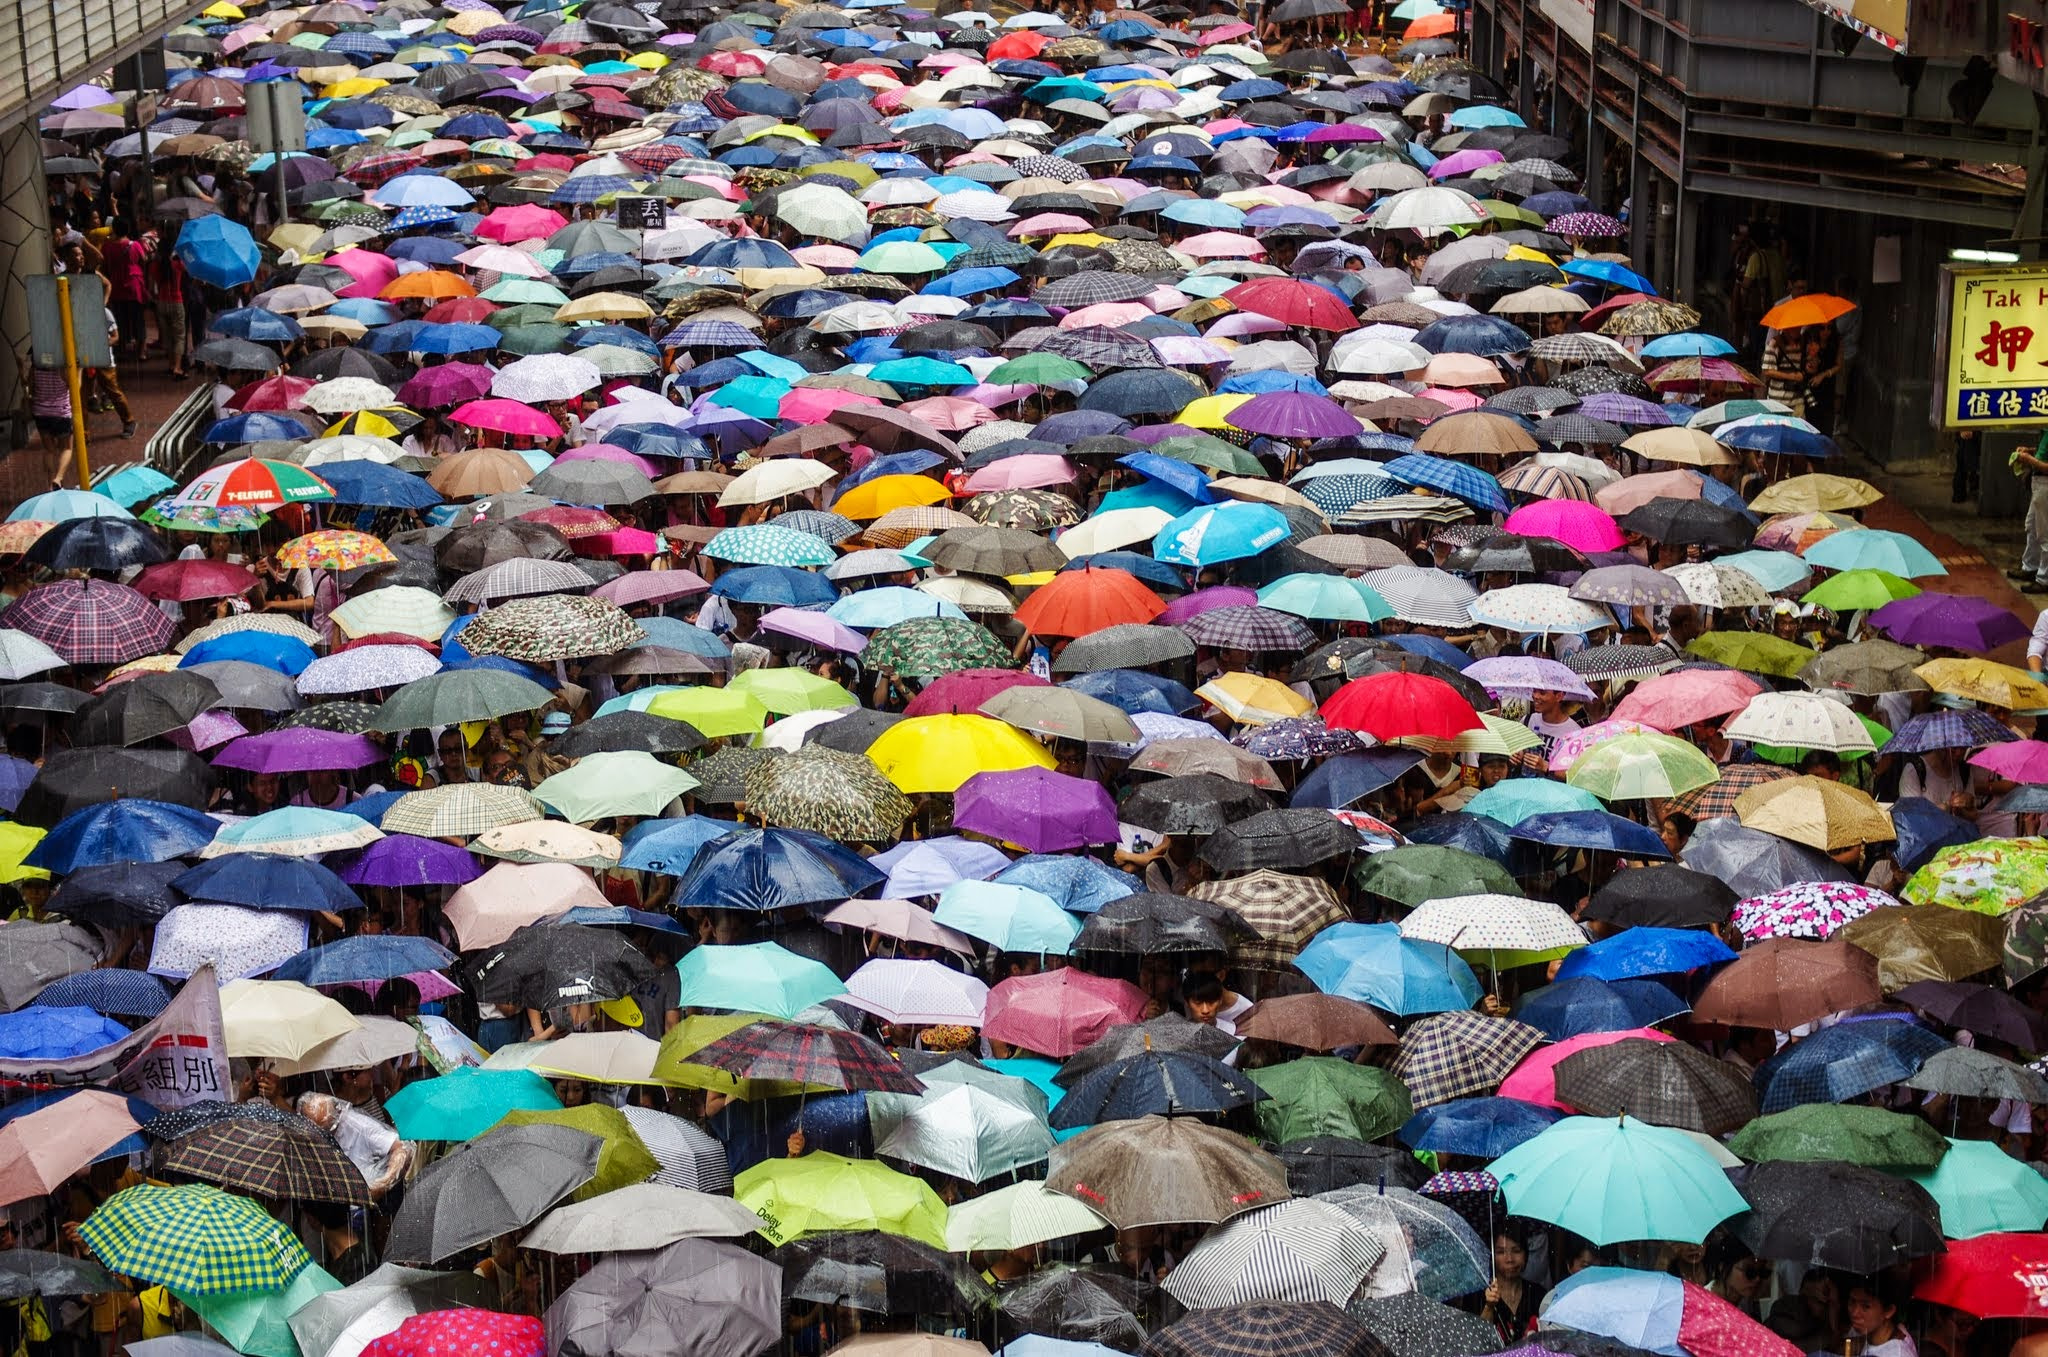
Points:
(1998, 348)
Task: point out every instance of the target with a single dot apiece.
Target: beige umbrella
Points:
(600, 1057)
(39, 1151)
(1540, 301)
(1816, 812)
(1815, 493)
(775, 480)
(1681, 446)
(373, 1042)
(1062, 713)
(279, 1018)
(1803, 720)
(480, 471)
(510, 896)
(640, 1217)
(548, 841)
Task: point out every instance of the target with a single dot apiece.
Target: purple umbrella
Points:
(1294, 414)
(15, 775)
(299, 749)
(446, 384)
(408, 860)
(1037, 809)
(1952, 621)
(1463, 163)
(1345, 132)
(1616, 408)
(818, 629)
(1190, 606)
(1150, 434)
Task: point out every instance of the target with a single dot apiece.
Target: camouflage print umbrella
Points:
(926, 647)
(552, 627)
(1031, 510)
(842, 796)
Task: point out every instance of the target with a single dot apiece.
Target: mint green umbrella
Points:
(901, 256)
(1611, 1179)
(614, 782)
(757, 977)
(253, 1322)
(1981, 1189)
(464, 1103)
(1518, 798)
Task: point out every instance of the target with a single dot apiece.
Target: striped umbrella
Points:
(1295, 1251)
(689, 1156)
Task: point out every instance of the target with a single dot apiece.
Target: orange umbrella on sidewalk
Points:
(1080, 602)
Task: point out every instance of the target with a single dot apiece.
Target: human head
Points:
(1676, 830)
(1205, 996)
(1510, 1253)
(1873, 1310)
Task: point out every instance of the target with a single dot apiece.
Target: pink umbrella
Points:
(831, 258)
(1676, 700)
(618, 542)
(815, 404)
(1188, 351)
(524, 221)
(1049, 223)
(608, 452)
(1535, 1079)
(652, 586)
(1585, 527)
(1221, 245)
(1224, 33)
(507, 417)
(1461, 163)
(1105, 313)
(446, 384)
(2019, 761)
(207, 730)
(951, 413)
(1193, 605)
(999, 394)
(1056, 1013)
(1633, 492)
(1027, 471)
(1240, 323)
(1454, 399)
(40, 1150)
(816, 628)
(372, 272)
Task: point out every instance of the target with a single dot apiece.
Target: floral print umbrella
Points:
(1807, 909)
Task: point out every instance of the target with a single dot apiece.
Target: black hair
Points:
(1202, 987)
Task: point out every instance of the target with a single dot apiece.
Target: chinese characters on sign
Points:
(1997, 356)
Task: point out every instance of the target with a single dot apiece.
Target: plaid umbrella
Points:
(200, 1240)
(1716, 800)
(460, 810)
(926, 647)
(1093, 287)
(803, 1054)
(842, 796)
(522, 575)
(1461, 1054)
(91, 621)
(1666, 1083)
(1843, 1062)
(1096, 346)
(1284, 910)
(1967, 728)
(1267, 1329)
(283, 1160)
(552, 627)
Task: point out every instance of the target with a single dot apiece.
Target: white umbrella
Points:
(344, 394)
(22, 655)
(917, 993)
(542, 377)
(1802, 720)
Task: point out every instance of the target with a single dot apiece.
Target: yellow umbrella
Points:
(16, 842)
(1211, 412)
(647, 61)
(1816, 812)
(294, 235)
(353, 87)
(280, 1018)
(603, 306)
(938, 753)
(364, 422)
(790, 130)
(1077, 238)
(1815, 493)
(1525, 252)
(714, 712)
(1680, 446)
(221, 9)
(1985, 681)
(1253, 699)
(863, 175)
(872, 499)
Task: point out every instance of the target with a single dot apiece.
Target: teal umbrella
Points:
(1331, 598)
(1039, 1073)
(760, 397)
(1610, 1179)
(253, 1322)
(758, 977)
(920, 371)
(1011, 918)
(1518, 798)
(1981, 1189)
(465, 1103)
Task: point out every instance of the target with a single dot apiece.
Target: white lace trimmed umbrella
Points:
(236, 942)
(544, 377)
(1502, 924)
(344, 394)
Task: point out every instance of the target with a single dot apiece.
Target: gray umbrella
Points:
(1128, 645)
(695, 1298)
(341, 1323)
(1752, 862)
(1415, 1326)
(495, 1184)
(1080, 1305)
(33, 956)
(1168, 1032)
(1969, 1073)
(593, 482)
(638, 1217)
(252, 687)
(31, 1272)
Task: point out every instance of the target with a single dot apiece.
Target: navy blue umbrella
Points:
(255, 323)
(747, 253)
(426, 249)
(373, 806)
(1637, 952)
(377, 485)
(1185, 477)
(1149, 569)
(1142, 391)
(1845, 1061)
(267, 881)
(127, 994)
(774, 586)
(761, 869)
(121, 895)
(1924, 829)
(1780, 438)
(97, 544)
(1344, 779)
(619, 916)
(1572, 1008)
(1598, 830)
(367, 957)
(1484, 1128)
(1486, 336)
(123, 831)
(1134, 690)
(1164, 1083)
(1473, 833)
(1431, 648)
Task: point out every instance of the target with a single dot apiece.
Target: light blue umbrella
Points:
(768, 544)
(1012, 918)
(1641, 1309)
(135, 483)
(421, 190)
(1333, 598)
(295, 831)
(1688, 346)
(1874, 549)
(929, 866)
(1205, 212)
(1374, 964)
(773, 365)
(1981, 1189)
(1485, 115)
(1517, 798)
(1615, 1179)
(1212, 533)
(758, 977)
(873, 609)
(1776, 571)
(219, 251)
(58, 506)
(920, 371)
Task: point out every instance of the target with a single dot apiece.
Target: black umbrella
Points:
(629, 732)
(1413, 1325)
(1128, 645)
(1151, 1083)
(1663, 896)
(1080, 1305)
(1688, 522)
(500, 1182)
(482, 544)
(1167, 1032)
(333, 364)
(1146, 924)
(1200, 803)
(1267, 1329)
(881, 1273)
(31, 1272)
(1326, 1163)
(853, 732)
(121, 896)
(145, 707)
(549, 965)
(242, 355)
(1666, 1083)
(1513, 553)
(1980, 1009)
(1282, 840)
(55, 698)
(97, 544)
(72, 779)
(1838, 1215)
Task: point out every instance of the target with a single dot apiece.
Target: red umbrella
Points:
(1056, 1013)
(272, 393)
(460, 311)
(1078, 602)
(1994, 1276)
(1022, 46)
(1595, 318)
(186, 581)
(964, 690)
(463, 1333)
(1391, 705)
(1292, 302)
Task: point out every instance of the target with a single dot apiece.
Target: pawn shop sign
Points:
(1997, 349)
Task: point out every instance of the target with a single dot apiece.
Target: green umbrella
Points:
(527, 340)
(788, 691)
(514, 317)
(1518, 798)
(824, 1191)
(902, 256)
(1417, 872)
(198, 1240)
(1982, 1189)
(1615, 1179)
(1869, 1136)
(1641, 765)
(624, 1158)
(927, 647)
(464, 1103)
(757, 977)
(1856, 590)
(1752, 651)
(1039, 369)
(1207, 450)
(1321, 1095)
(619, 782)
(253, 1322)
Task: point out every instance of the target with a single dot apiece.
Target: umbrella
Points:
(1262, 1328)
(1980, 1189)
(761, 977)
(1162, 1170)
(1016, 1217)
(499, 1182)
(1294, 1251)
(879, 1272)
(1925, 943)
(1988, 1275)
(460, 1330)
(283, 1160)
(1824, 1132)
(1612, 1180)
(1152, 1083)
(1322, 1095)
(822, 1191)
(1484, 1128)
(1375, 964)
(1838, 1215)
(465, 1103)
(1783, 983)
(699, 1294)
(198, 1239)
(1663, 1083)
(1843, 1062)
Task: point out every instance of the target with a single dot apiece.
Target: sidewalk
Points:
(152, 397)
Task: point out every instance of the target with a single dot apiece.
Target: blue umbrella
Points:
(1612, 274)
(123, 831)
(619, 916)
(1374, 964)
(378, 485)
(1150, 494)
(928, 866)
(119, 895)
(286, 654)
(424, 189)
(1188, 479)
(256, 428)
(1645, 951)
(762, 869)
(1845, 1061)
(774, 586)
(449, 338)
(1688, 346)
(1485, 1128)
(1572, 1008)
(677, 634)
(1925, 829)
(1474, 834)
(1009, 918)
(15, 775)
(750, 253)
(1221, 532)
(1431, 648)
(1482, 335)
(1344, 779)
(369, 957)
(873, 609)
(267, 881)
(219, 251)
(1467, 483)
(372, 806)
(670, 846)
(1779, 438)
(1143, 391)
(1158, 574)
(131, 994)
(1134, 690)
(1601, 831)
(967, 282)
(41, 1033)
(1076, 884)
(135, 483)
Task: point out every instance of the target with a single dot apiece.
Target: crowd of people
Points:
(907, 683)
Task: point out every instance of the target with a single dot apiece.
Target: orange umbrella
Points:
(1815, 308)
(431, 283)
(1081, 602)
(1431, 26)
(872, 499)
